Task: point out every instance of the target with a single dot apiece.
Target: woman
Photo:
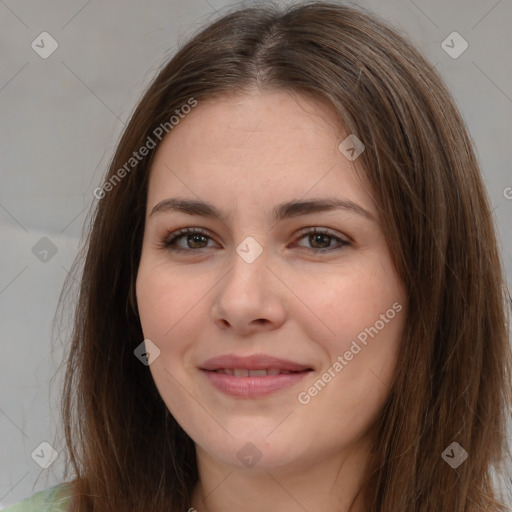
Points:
(292, 296)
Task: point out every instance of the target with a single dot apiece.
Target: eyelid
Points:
(180, 233)
(324, 231)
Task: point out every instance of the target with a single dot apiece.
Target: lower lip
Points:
(251, 387)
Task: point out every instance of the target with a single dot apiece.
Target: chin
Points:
(254, 451)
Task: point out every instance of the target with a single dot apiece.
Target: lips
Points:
(253, 366)
(244, 372)
(254, 376)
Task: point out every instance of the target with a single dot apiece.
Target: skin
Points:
(245, 154)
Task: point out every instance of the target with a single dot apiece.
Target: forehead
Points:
(259, 147)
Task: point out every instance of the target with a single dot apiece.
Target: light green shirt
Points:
(55, 499)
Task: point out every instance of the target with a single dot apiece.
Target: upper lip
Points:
(254, 362)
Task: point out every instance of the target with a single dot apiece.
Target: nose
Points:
(249, 298)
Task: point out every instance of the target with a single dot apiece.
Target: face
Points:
(310, 295)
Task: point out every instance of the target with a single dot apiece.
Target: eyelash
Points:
(171, 239)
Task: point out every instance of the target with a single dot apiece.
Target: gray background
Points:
(61, 118)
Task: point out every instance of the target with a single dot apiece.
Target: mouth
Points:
(253, 376)
(244, 372)
(231, 363)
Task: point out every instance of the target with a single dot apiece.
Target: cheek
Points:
(154, 298)
(165, 293)
(345, 302)
(358, 323)
(165, 299)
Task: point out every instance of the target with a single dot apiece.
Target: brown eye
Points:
(195, 239)
(320, 240)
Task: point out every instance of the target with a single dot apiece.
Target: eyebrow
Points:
(282, 211)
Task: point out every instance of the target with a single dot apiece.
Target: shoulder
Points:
(54, 499)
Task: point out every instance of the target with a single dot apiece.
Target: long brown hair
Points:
(452, 382)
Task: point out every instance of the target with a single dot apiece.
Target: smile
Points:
(253, 376)
(244, 372)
